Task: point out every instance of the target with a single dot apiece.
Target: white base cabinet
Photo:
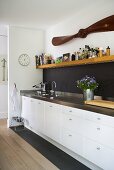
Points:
(26, 110)
(72, 141)
(38, 115)
(33, 113)
(86, 133)
(53, 120)
(99, 154)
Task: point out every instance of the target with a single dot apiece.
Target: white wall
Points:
(86, 17)
(3, 84)
(31, 42)
(3, 101)
(3, 50)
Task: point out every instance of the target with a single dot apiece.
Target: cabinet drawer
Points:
(72, 141)
(98, 132)
(99, 154)
(74, 111)
(107, 136)
(49, 105)
(72, 122)
(99, 118)
(92, 130)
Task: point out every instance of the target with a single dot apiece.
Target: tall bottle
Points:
(108, 51)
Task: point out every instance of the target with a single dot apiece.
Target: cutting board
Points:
(101, 103)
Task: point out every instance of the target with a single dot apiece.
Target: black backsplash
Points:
(66, 78)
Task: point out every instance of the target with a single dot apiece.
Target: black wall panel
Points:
(66, 77)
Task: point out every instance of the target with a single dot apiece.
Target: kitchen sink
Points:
(46, 95)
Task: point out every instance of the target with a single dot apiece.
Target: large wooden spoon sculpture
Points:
(104, 25)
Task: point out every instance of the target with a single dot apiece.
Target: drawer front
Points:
(72, 141)
(92, 130)
(99, 154)
(49, 105)
(99, 118)
(74, 111)
(107, 136)
(100, 133)
(39, 102)
(72, 122)
(107, 120)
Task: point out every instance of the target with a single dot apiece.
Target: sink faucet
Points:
(53, 84)
(41, 86)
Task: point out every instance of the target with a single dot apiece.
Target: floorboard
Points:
(17, 154)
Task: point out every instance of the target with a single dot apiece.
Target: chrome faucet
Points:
(53, 85)
(41, 86)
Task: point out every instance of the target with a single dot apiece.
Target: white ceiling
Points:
(38, 13)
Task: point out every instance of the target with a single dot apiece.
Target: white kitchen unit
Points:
(99, 154)
(53, 120)
(26, 109)
(33, 113)
(37, 115)
(72, 129)
(89, 134)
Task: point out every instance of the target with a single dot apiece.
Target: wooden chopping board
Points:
(101, 103)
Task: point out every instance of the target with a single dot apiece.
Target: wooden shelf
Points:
(103, 59)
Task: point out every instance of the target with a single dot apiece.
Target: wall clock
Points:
(24, 60)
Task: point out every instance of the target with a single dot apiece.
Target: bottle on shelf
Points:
(76, 54)
(37, 60)
(100, 52)
(108, 51)
(73, 57)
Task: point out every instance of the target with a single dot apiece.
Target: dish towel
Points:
(15, 100)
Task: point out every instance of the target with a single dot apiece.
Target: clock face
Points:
(24, 60)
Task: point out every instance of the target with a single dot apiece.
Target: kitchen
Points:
(33, 40)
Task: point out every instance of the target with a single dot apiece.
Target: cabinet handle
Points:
(98, 129)
(50, 106)
(39, 103)
(70, 111)
(70, 119)
(70, 135)
(98, 118)
(98, 148)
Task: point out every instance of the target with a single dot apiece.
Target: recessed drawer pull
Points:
(70, 135)
(50, 106)
(70, 119)
(98, 148)
(70, 111)
(98, 129)
(39, 103)
(98, 118)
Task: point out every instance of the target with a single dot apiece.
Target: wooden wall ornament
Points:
(104, 25)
